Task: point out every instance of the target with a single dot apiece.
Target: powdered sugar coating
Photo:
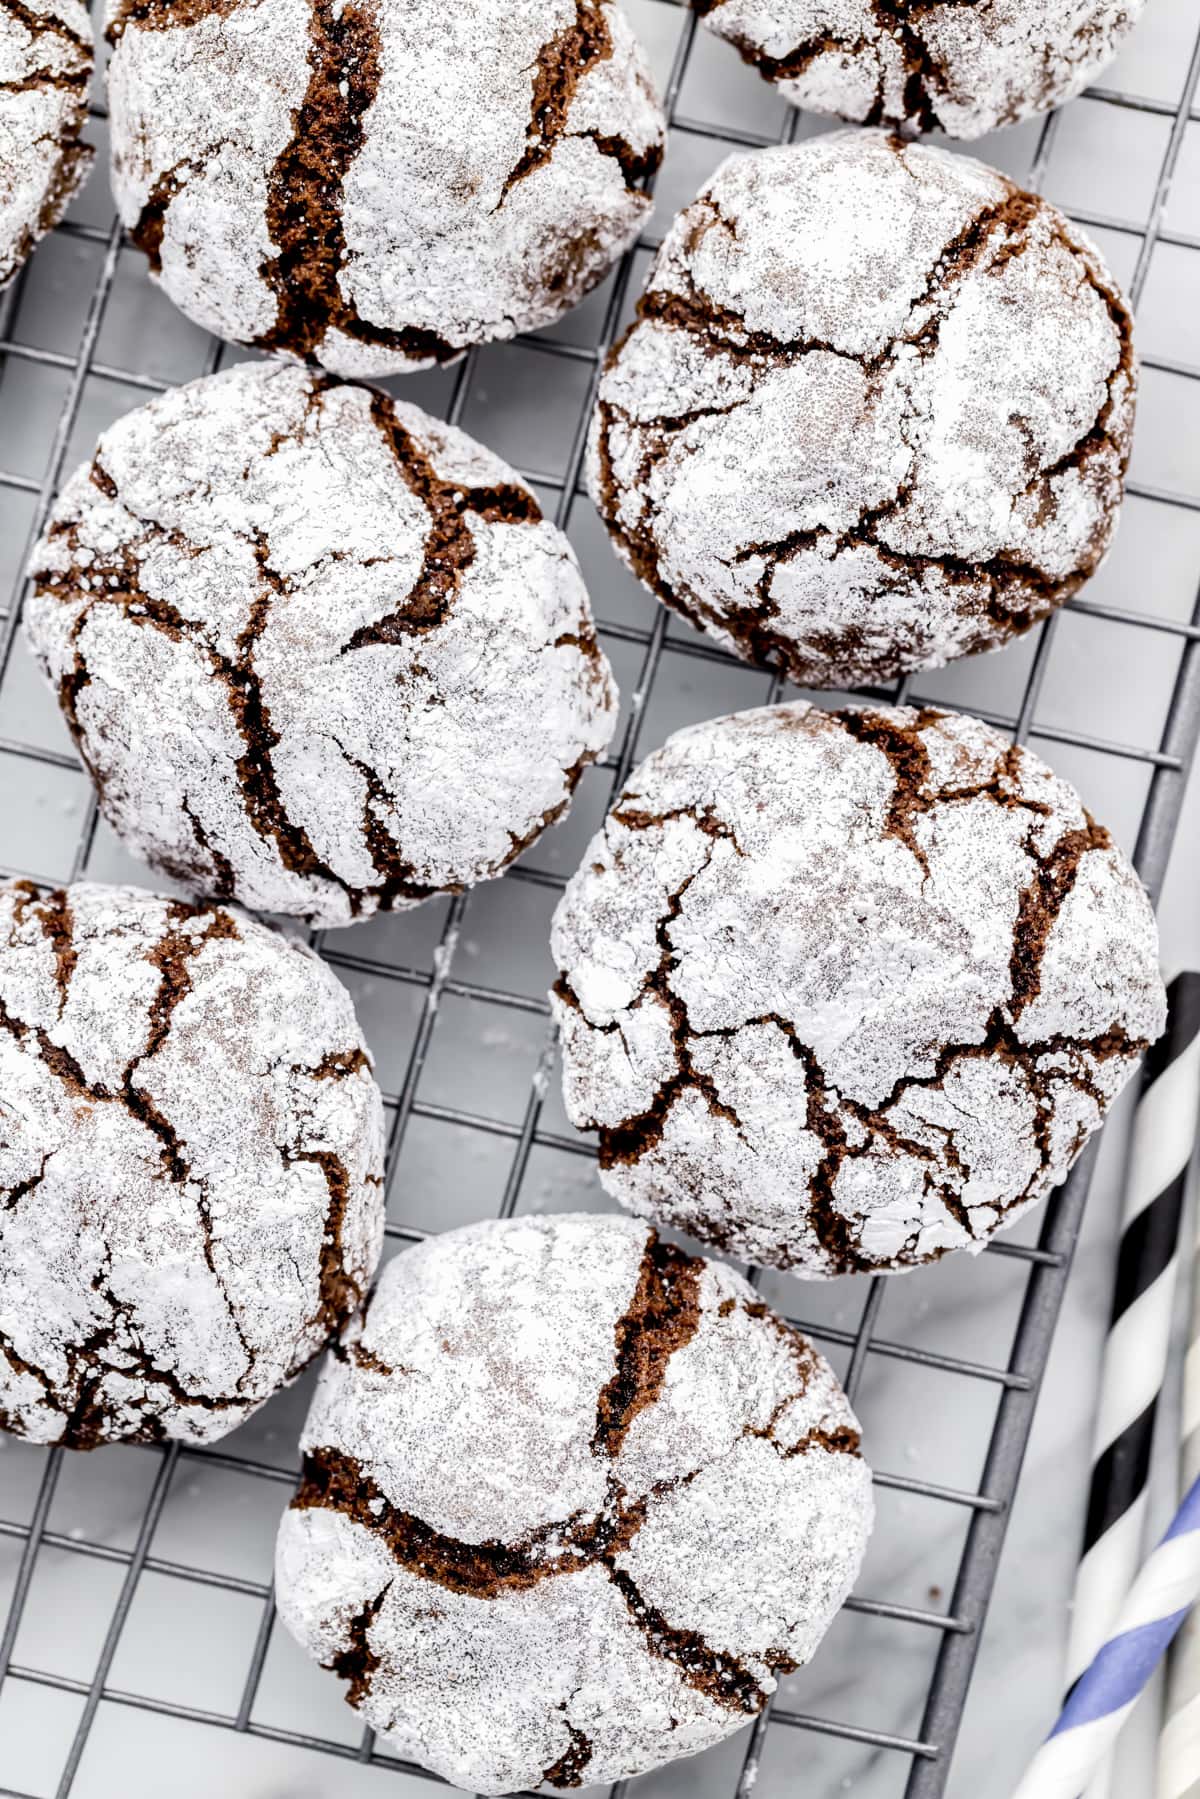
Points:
(45, 68)
(874, 414)
(191, 1145)
(320, 652)
(378, 184)
(846, 991)
(935, 65)
(517, 1470)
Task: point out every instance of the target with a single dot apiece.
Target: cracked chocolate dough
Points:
(378, 184)
(572, 1501)
(191, 1144)
(45, 69)
(958, 66)
(320, 652)
(842, 991)
(874, 412)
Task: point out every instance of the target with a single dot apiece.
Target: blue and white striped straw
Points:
(1107, 1691)
(1135, 1353)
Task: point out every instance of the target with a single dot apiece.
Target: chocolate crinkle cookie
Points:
(320, 652)
(842, 991)
(958, 66)
(378, 184)
(874, 411)
(572, 1501)
(45, 69)
(191, 1145)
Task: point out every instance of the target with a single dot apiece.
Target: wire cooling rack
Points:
(139, 1653)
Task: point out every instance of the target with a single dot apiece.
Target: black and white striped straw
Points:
(1135, 1353)
(1179, 1739)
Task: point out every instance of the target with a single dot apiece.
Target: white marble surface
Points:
(187, 1644)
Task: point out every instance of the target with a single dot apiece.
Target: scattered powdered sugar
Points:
(381, 183)
(874, 412)
(961, 68)
(45, 68)
(845, 991)
(320, 652)
(585, 1487)
(191, 1146)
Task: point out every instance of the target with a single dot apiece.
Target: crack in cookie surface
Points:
(923, 65)
(663, 1317)
(568, 1770)
(631, 1140)
(236, 676)
(561, 66)
(165, 15)
(171, 955)
(43, 104)
(450, 548)
(335, 1481)
(304, 206)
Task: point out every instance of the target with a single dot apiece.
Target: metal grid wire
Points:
(1041, 1267)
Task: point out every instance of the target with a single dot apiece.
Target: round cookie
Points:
(378, 184)
(584, 1484)
(320, 652)
(842, 991)
(191, 1144)
(931, 66)
(874, 412)
(45, 69)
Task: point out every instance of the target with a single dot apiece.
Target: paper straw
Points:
(1179, 1744)
(1108, 1689)
(1135, 1354)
